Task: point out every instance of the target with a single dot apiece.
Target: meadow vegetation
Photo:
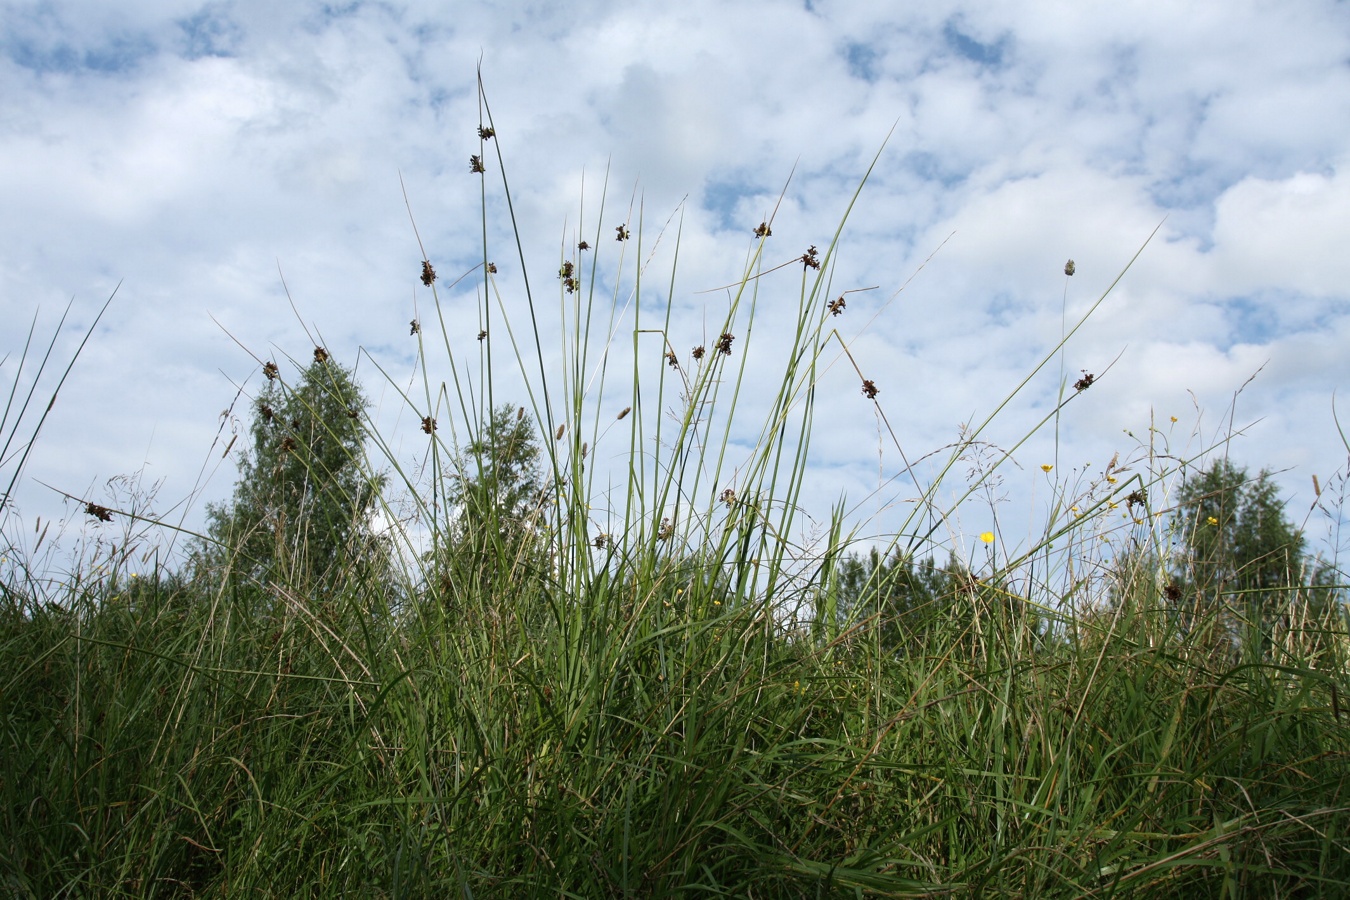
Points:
(487, 675)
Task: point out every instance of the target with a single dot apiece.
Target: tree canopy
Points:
(1239, 544)
(303, 499)
(497, 494)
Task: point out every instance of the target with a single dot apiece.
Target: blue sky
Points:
(197, 153)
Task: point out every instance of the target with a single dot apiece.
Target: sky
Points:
(236, 172)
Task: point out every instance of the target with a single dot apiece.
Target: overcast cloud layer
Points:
(197, 153)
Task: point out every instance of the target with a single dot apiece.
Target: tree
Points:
(497, 493)
(910, 596)
(1240, 550)
(301, 507)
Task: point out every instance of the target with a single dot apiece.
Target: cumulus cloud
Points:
(200, 153)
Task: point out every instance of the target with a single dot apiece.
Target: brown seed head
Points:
(428, 273)
(102, 513)
(270, 370)
(1068, 268)
(320, 354)
(870, 389)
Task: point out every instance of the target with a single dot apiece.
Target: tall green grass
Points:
(654, 687)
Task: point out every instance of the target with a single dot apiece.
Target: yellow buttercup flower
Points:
(1046, 468)
(987, 537)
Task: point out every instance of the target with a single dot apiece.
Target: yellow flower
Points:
(1046, 468)
(1111, 479)
(987, 537)
(1213, 521)
(1174, 420)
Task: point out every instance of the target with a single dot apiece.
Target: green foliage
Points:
(301, 509)
(1240, 549)
(1238, 539)
(909, 598)
(497, 495)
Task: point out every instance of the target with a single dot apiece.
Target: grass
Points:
(689, 706)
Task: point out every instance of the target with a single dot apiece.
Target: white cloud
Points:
(191, 149)
(1287, 234)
